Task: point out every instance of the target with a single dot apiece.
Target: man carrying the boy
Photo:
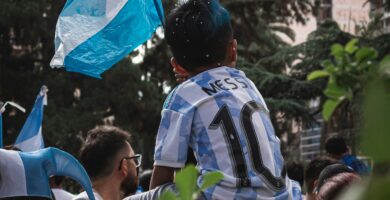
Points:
(217, 111)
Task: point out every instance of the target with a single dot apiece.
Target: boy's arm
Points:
(161, 175)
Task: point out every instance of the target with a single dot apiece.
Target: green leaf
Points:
(337, 50)
(335, 91)
(186, 182)
(211, 179)
(317, 74)
(168, 195)
(378, 189)
(328, 108)
(384, 66)
(366, 53)
(376, 137)
(351, 46)
(328, 65)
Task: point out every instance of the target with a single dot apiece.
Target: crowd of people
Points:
(220, 115)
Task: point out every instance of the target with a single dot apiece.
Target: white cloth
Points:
(61, 194)
(84, 196)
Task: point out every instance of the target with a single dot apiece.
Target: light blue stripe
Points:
(245, 193)
(37, 181)
(168, 100)
(296, 190)
(202, 145)
(160, 10)
(185, 134)
(180, 105)
(41, 164)
(94, 8)
(162, 134)
(33, 122)
(282, 195)
(134, 24)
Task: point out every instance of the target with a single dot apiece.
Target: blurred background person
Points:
(333, 180)
(312, 172)
(337, 148)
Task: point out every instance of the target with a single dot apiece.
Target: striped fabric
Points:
(27, 173)
(30, 137)
(221, 115)
(93, 35)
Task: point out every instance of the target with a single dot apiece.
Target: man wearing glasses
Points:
(110, 162)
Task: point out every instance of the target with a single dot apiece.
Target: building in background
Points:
(348, 14)
(378, 7)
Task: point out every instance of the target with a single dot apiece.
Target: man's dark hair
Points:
(57, 180)
(101, 148)
(199, 33)
(295, 171)
(313, 170)
(336, 145)
(144, 179)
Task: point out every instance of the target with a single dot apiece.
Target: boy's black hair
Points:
(199, 33)
(336, 145)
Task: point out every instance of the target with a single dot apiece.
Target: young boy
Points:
(218, 112)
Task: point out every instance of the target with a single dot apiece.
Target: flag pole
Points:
(2, 109)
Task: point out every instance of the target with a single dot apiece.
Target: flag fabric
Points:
(93, 35)
(27, 173)
(30, 137)
(2, 109)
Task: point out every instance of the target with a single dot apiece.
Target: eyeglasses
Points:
(137, 159)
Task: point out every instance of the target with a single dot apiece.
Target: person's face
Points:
(130, 182)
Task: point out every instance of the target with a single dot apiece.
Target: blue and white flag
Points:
(30, 137)
(2, 109)
(27, 173)
(93, 35)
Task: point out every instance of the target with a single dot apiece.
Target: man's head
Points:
(199, 34)
(107, 154)
(336, 146)
(313, 170)
(333, 180)
(295, 172)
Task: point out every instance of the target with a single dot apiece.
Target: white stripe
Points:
(267, 156)
(13, 179)
(214, 135)
(31, 144)
(172, 141)
(81, 27)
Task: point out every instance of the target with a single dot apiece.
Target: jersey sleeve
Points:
(172, 139)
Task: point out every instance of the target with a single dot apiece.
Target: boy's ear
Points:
(233, 51)
(178, 68)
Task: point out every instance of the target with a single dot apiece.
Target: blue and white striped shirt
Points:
(222, 116)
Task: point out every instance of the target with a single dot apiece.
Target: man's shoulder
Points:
(81, 196)
(84, 196)
(62, 194)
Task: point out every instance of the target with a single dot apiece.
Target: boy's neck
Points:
(202, 69)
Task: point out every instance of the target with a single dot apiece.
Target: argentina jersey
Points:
(223, 118)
